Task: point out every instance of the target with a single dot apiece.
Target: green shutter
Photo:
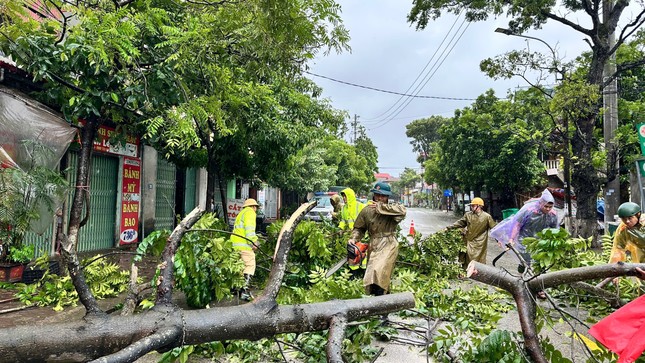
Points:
(165, 195)
(99, 232)
(190, 200)
(42, 244)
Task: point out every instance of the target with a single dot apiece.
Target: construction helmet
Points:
(382, 188)
(628, 209)
(477, 201)
(250, 203)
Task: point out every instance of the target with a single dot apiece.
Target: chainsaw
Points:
(356, 252)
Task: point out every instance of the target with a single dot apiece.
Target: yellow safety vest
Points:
(244, 226)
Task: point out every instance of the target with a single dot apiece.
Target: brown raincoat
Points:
(477, 226)
(380, 221)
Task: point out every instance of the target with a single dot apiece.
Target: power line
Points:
(422, 71)
(428, 77)
(391, 92)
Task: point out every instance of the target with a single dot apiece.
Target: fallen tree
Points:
(524, 289)
(105, 338)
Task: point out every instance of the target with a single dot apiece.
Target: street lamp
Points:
(567, 165)
(511, 33)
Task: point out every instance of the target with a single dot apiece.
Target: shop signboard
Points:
(131, 200)
(233, 208)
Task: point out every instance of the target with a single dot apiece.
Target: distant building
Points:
(385, 177)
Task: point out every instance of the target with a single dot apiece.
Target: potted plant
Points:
(17, 258)
(30, 195)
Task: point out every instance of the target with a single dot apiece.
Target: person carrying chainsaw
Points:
(477, 224)
(244, 240)
(380, 220)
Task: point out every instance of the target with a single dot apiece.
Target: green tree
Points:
(490, 146)
(407, 180)
(190, 75)
(424, 134)
(528, 14)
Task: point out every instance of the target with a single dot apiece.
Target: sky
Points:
(442, 61)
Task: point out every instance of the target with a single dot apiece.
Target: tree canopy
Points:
(490, 146)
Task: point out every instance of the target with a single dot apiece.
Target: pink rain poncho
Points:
(526, 223)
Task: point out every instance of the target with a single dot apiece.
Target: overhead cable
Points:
(391, 92)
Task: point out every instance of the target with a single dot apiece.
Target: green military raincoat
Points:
(477, 226)
(380, 221)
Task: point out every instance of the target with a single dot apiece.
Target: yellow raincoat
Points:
(632, 240)
(350, 210)
(245, 226)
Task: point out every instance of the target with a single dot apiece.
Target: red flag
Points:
(623, 331)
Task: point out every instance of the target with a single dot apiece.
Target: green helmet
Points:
(628, 209)
(382, 188)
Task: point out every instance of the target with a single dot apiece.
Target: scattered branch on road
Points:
(125, 338)
(524, 291)
(335, 338)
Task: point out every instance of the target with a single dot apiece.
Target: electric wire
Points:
(421, 72)
(419, 87)
(387, 91)
(391, 117)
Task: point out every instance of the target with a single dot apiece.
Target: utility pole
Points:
(610, 123)
(355, 126)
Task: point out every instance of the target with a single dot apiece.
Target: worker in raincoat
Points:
(337, 204)
(534, 216)
(629, 236)
(380, 219)
(244, 240)
(350, 210)
(477, 224)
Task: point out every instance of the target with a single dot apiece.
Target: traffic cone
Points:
(412, 231)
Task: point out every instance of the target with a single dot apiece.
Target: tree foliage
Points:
(424, 134)
(491, 146)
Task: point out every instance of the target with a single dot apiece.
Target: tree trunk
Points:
(585, 181)
(97, 337)
(81, 201)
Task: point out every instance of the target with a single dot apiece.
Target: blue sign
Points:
(447, 193)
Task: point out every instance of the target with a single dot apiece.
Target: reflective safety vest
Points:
(244, 226)
(348, 215)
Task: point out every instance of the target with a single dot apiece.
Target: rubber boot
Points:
(246, 292)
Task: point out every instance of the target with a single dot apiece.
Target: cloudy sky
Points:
(440, 63)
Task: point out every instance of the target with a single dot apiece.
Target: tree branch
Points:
(142, 347)
(569, 23)
(81, 341)
(282, 248)
(524, 291)
(165, 282)
(335, 338)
